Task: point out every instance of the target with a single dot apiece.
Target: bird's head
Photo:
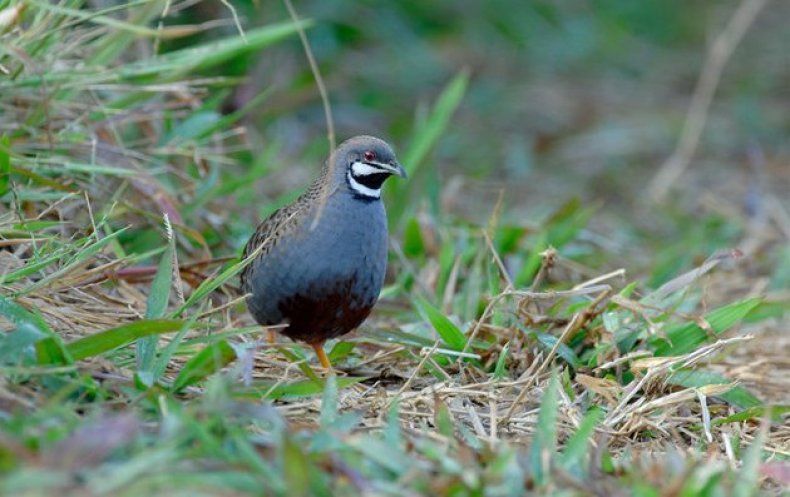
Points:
(363, 163)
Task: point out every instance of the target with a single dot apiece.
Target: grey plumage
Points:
(323, 278)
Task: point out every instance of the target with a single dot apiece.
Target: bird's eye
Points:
(370, 155)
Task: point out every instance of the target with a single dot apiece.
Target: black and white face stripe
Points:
(366, 178)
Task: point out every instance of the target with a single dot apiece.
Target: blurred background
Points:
(568, 99)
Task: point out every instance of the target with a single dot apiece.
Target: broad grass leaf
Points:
(413, 244)
(95, 18)
(549, 341)
(767, 310)
(5, 164)
(98, 343)
(49, 348)
(746, 483)
(577, 448)
(340, 351)
(297, 467)
(19, 315)
(449, 333)
(776, 412)
(14, 345)
(179, 62)
(211, 284)
(424, 136)
(156, 306)
(90, 247)
(566, 222)
(302, 365)
(684, 338)
(544, 442)
(32, 266)
(533, 262)
(273, 390)
(205, 363)
(329, 401)
(499, 370)
(380, 453)
(694, 378)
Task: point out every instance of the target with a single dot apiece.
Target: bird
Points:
(318, 264)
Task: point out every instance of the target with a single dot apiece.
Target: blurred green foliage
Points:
(565, 99)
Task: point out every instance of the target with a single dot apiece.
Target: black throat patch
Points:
(372, 181)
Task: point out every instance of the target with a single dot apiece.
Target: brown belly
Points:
(319, 316)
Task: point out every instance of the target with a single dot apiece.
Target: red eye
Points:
(370, 155)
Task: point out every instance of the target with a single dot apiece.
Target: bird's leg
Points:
(271, 336)
(319, 351)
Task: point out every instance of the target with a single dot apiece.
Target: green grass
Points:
(497, 362)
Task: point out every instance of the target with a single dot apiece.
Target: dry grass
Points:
(92, 296)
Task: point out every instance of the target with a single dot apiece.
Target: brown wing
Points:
(271, 229)
(267, 234)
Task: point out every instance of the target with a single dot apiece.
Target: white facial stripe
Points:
(360, 188)
(363, 169)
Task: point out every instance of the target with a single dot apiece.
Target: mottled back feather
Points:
(279, 223)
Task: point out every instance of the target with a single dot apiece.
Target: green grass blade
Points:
(545, 440)
(340, 351)
(31, 267)
(499, 370)
(425, 136)
(163, 359)
(156, 306)
(303, 366)
(329, 401)
(684, 338)
(549, 341)
(776, 412)
(119, 40)
(211, 284)
(746, 483)
(577, 446)
(85, 253)
(449, 333)
(566, 222)
(21, 316)
(13, 345)
(160, 288)
(211, 54)
(297, 468)
(737, 395)
(428, 134)
(84, 15)
(49, 349)
(113, 338)
(202, 125)
(205, 363)
(301, 388)
(150, 377)
(5, 164)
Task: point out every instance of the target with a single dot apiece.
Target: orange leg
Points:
(271, 336)
(319, 351)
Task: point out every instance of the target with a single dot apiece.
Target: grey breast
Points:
(327, 277)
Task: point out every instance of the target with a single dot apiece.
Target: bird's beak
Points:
(393, 168)
(397, 169)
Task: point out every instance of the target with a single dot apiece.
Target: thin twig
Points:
(718, 55)
(408, 382)
(330, 124)
(236, 20)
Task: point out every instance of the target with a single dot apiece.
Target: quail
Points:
(321, 260)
